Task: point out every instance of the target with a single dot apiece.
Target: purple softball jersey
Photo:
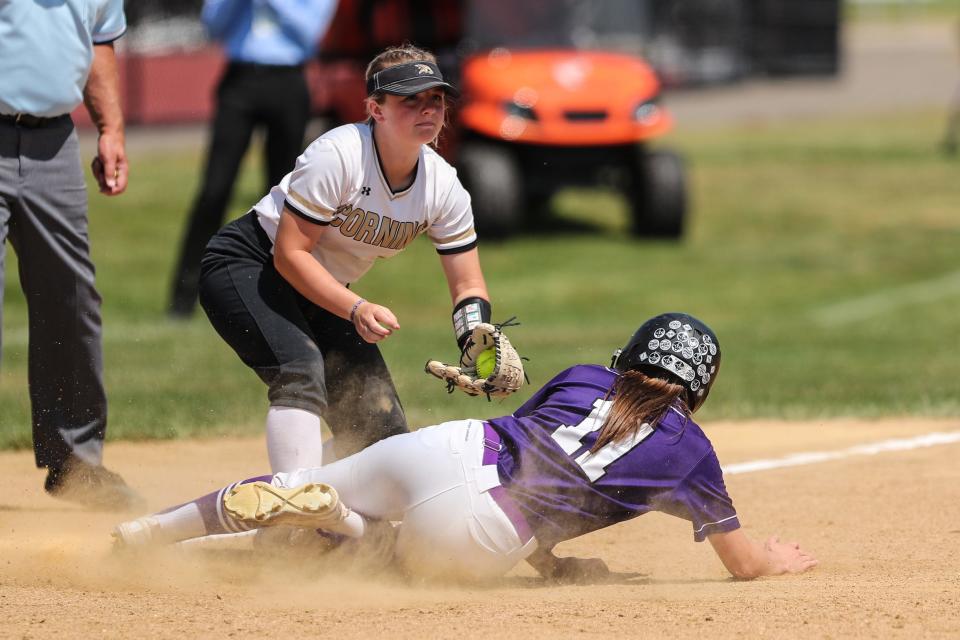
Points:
(564, 491)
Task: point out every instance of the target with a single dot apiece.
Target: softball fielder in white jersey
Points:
(276, 282)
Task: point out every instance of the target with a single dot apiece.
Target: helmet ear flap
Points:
(615, 358)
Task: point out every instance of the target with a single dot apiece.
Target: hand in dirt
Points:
(788, 557)
(580, 571)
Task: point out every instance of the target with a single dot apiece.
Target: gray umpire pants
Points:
(43, 210)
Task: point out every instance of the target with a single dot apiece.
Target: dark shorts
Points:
(309, 358)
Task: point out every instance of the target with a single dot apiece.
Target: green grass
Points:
(787, 221)
(901, 10)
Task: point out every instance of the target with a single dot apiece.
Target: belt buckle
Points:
(496, 447)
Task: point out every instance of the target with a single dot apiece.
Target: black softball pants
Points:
(309, 358)
(248, 95)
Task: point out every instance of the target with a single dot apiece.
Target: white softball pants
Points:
(432, 480)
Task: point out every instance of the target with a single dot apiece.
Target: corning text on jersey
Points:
(372, 228)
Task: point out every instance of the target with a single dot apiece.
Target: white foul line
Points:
(812, 457)
(884, 301)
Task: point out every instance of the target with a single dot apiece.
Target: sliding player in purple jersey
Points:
(595, 446)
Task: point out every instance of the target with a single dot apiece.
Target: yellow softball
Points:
(485, 363)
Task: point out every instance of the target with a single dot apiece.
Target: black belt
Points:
(29, 121)
(265, 68)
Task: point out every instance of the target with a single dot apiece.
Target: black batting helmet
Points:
(679, 344)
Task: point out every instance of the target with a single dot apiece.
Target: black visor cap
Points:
(408, 79)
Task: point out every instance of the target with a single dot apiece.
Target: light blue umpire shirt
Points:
(46, 49)
(278, 32)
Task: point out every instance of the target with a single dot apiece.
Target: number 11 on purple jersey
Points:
(594, 465)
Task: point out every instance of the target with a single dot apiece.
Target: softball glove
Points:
(505, 378)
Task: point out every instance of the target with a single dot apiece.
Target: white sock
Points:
(242, 541)
(182, 523)
(294, 439)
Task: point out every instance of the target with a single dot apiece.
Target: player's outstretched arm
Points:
(568, 570)
(747, 559)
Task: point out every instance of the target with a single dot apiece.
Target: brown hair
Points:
(637, 399)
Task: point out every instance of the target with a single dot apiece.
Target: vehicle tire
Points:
(658, 201)
(492, 177)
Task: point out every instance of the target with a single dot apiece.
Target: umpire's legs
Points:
(232, 129)
(48, 230)
(7, 173)
(9, 168)
(285, 111)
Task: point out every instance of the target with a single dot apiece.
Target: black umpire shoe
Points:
(92, 486)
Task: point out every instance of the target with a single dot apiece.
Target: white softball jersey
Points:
(338, 181)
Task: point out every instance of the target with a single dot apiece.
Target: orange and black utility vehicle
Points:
(554, 94)
(561, 93)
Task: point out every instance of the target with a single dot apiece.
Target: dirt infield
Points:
(886, 528)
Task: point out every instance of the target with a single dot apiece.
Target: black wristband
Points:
(468, 313)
